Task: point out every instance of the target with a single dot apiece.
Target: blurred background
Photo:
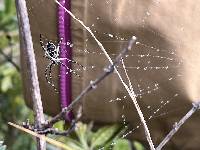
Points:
(12, 107)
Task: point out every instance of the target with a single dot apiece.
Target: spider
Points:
(52, 52)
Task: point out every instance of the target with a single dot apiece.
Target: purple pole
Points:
(65, 52)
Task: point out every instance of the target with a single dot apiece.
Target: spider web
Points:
(169, 56)
(148, 57)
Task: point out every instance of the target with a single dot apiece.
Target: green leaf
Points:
(6, 70)
(8, 23)
(122, 144)
(8, 6)
(138, 145)
(59, 125)
(74, 144)
(6, 84)
(103, 135)
(115, 138)
(81, 131)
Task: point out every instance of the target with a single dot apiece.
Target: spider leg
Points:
(42, 43)
(46, 70)
(57, 51)
(75, 62)
(59, 41)
(70, 70)
(50, 78)
(58, 46)
(48, 75)
(69, 60)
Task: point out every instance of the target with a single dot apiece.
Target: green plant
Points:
(11, 100)
(8, 19)
(106, 138)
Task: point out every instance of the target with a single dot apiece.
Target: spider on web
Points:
(52, 52)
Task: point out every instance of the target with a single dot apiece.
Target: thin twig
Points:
(56, 131)
(143, 121)
(43, 137)
(8, 59)
(176, 127)
(52, 130)
(92, 85)
(26, 40)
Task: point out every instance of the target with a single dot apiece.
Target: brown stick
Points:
(26, 40)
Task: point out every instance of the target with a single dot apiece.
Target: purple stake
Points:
(65, 52)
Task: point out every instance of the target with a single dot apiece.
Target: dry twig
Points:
(176, 127)
(56, 131)
(49, 140)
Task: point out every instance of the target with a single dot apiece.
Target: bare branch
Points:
(56, 131)
(26, 40)
(176, 127)
(9, 59)
(92, 85)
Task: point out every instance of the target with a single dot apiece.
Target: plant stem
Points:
(26, 41)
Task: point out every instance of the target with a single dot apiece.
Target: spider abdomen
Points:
(52, 50)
